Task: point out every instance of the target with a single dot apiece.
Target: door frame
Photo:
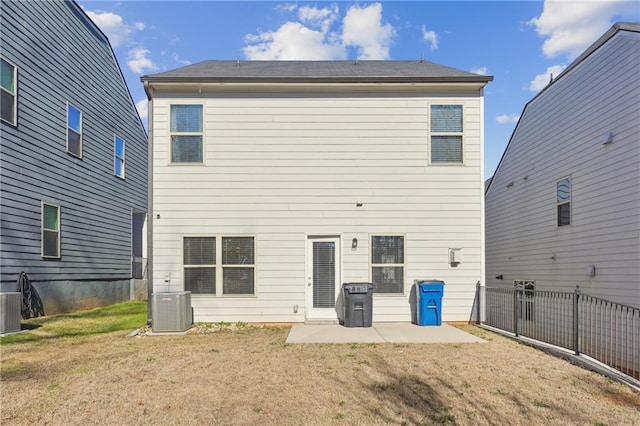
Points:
(321, 314)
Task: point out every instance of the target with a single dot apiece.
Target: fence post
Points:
(515, 310)
(479, 311)
(576, 321)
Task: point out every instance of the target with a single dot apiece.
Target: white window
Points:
(563, 201)
(445, 125)
(74, 130)
(186, 134)
(50, 231)
(207, 260)
(8, 98)
(118, 156)
(387, 264)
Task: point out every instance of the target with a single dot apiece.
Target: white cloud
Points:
(177, 59)
(507, 118)
(143, 108)
(139, 62)
(292, 41)
(569, 27)
(481, 71)
(542, 80)
(312, 37)
(112, 25)
(363, 29)
(431, 37)
(319, 18)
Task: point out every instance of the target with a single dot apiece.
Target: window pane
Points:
(74, 142)
(446, 118)
(118, 168)
(387, 249)
(199, 250)
(564, 214)
(50, 217)
(237, 251)
(50, 243)
(6, 107)
(237, 281)
(563, 190)
(119, 147)
(200, 280)
(74, 118)
(388, 279)
(7, 76)
(186, 149)
(446, 149)
(186, 118)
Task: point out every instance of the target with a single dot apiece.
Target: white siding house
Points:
(275, 182)
(563, 208)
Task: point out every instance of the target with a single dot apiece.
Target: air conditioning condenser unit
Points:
(171, 311)
(10, 304)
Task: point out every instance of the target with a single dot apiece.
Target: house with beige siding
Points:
(275, 182)
(563, 207)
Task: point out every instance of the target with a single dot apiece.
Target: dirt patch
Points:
(243, 374)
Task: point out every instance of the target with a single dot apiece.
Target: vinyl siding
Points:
(560, 134)
(61, 58)
(283, 167)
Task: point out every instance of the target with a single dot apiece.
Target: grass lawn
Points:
(81, 368)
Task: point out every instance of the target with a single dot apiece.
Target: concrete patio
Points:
(390, 332)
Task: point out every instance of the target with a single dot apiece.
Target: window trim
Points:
(403, 265)
(116, 157)
(563, 203)
(201, 134)
(14, 117)
(43, 229)
(69, 104)
(432, 133)
(218, 266)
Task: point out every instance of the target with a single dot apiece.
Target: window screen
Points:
(446, 133)
(387, 264)
(186, 134)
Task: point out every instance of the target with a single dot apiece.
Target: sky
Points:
(519, 43)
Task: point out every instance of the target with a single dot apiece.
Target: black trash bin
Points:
(358, 304)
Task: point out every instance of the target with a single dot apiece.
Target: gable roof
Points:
(316, 71)
(615, 29)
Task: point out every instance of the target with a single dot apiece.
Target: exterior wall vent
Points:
(10, 304)
(171, 311)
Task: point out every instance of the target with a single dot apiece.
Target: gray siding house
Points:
(73, 150)
(275, 182)
(563, 207)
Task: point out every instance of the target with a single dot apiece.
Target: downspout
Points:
(482, 280)
(149, 91)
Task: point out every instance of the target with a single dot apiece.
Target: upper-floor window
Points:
(8, 73)
(74, 130)
(50, 231)
(446, 133)
(118, 156)
(186, 134)
(563, 201)
(387, 263)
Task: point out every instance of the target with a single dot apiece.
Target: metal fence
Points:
(605, 331)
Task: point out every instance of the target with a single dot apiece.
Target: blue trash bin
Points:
(429, 301)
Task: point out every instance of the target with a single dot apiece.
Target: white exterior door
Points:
(323, 277)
